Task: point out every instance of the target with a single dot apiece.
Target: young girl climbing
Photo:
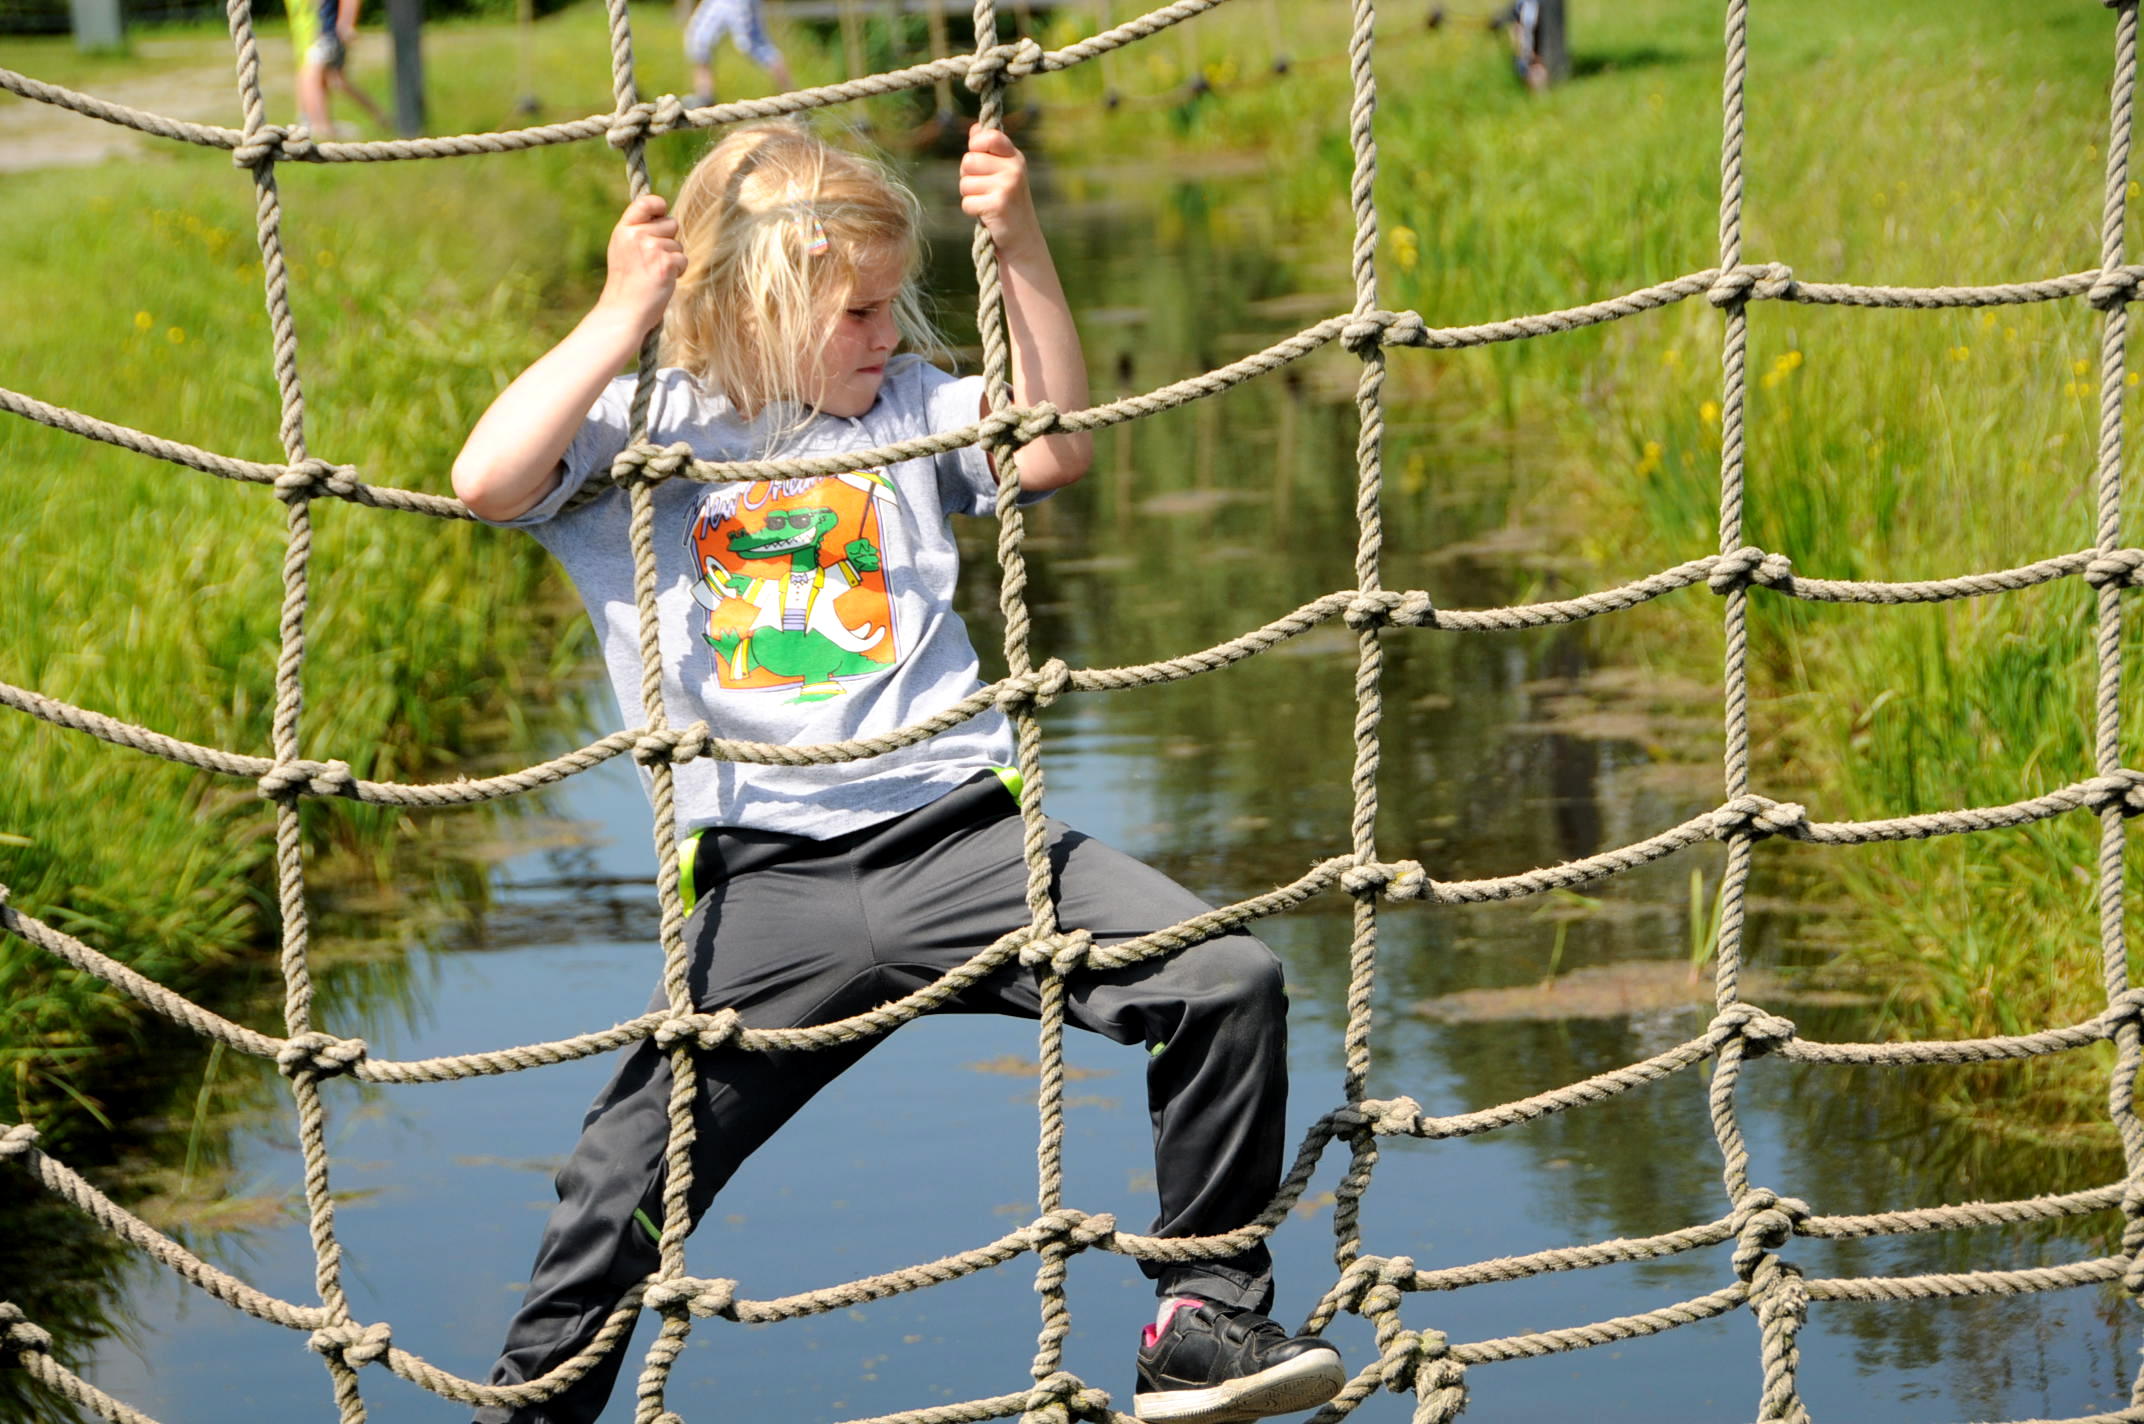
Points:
(818, 610)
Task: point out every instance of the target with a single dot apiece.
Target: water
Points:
(1500, 753)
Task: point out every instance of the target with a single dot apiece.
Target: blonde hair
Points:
(777, 226)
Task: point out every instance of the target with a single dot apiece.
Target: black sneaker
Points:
(1216, 1364)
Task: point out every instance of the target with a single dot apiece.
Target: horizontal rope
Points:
(1605, 1332)
(334, 481)
(664, 115)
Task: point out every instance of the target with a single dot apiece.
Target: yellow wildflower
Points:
(1406, 248)
(1672, 356)
(1649, 460)
(1987, 321)
(174, 334)
(1709, 412)
(2080, 367)
(143, 321)
(1961, 353)
(2131, 379)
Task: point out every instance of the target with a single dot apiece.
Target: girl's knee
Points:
(1239, 970)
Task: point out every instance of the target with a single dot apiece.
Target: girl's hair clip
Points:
(815, 244)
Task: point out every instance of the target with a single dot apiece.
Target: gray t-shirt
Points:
(792, 611)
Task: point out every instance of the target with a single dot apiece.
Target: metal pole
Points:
(405, 22)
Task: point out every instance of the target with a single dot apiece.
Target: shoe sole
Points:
(1304, 1382)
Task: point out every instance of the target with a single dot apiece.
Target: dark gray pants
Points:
(790, 931)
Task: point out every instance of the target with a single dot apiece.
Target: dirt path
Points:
(191, 79)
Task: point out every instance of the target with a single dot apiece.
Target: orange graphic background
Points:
(866, 603)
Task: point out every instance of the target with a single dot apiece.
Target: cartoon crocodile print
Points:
(795, 631)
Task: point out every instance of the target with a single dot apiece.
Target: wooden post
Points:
(940, 47)
(852, 38)
(405, 22)
(97, 24)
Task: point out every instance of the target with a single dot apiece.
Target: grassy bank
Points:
(1917, 144)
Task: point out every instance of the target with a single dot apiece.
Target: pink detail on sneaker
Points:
(1153, 1332)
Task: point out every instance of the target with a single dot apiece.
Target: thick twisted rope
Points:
(1760, 1223)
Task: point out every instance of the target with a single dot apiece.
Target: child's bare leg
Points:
(313, 96)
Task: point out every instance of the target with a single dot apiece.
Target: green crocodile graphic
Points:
(795, 631)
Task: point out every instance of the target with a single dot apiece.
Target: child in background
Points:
(321, 31)
(818, 610)
(742, 21)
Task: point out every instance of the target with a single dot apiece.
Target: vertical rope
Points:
(670, 1340)
(296, 955)
(2114, 954)
(1776, 1293)
(1369, 663)
(1050, 1274)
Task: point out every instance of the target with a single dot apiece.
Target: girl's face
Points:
(852, 365)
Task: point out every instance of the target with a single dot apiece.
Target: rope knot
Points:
(2114, 287)
(1409, 609)
(700, 1296)
(273, 142)
(649, 464)
(1060, 953)
(2129, 1004)
(1757, 1029)
(1352, 1290)
(1061, 1397)
(352, 1344)
(16, 1142)
(1398, 879)
(1768, 1220)
(1761, 816)
(999, 63)
(288, 780)
(1381, 1293)
(1406, 1353)
(2118, 790)
(18, 1336)
(671, 744)
(630, 125)
(1035, 689)
(1039, 420)
(2117, 569)
(1075, 1228)
(1763, 281)
(1365, 333)
(1391, 1117)
(1749, 565)
(319, 1055)
(705, 1031)
(312, 478)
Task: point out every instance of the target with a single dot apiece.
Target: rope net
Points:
(1757, 1219)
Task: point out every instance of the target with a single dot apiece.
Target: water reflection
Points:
(1500, 752)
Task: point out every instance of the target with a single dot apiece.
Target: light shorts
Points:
(313, 34)
(740, 20)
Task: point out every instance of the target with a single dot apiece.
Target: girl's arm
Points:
(514, 456)
(1047, 364)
